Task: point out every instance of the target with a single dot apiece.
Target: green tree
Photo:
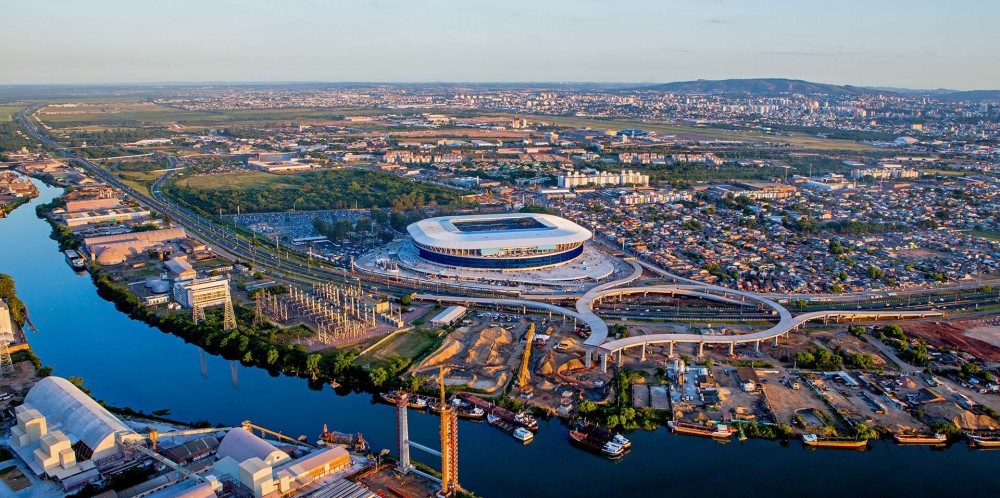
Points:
(312, 363)
(406, 300)
(272, 356)
(378, 376)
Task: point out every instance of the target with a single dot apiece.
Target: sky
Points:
(916, 44)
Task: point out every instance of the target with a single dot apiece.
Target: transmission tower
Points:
(197, 313)
(229, 317)
(258, 311)
(6, 365)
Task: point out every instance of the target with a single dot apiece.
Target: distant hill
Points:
(973, 96)
(764, 86)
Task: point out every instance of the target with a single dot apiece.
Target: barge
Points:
(520, 418)
(816, 441)
(720, 431)
(75, 260)
(517, 432)
(922, 439)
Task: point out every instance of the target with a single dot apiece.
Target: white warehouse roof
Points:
(443, 232)
(76, 414)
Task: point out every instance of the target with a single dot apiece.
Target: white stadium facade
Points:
(518, 241)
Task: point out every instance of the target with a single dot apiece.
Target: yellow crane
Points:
(523, 375)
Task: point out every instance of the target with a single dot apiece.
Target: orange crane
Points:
(523, 374)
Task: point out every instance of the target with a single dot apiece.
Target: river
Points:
(126, 363)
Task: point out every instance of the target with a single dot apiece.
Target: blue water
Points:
(127, 363)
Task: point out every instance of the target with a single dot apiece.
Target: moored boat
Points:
(75, 260)
(355, 441)
(926, 439)
(593, 442)
(519, 418)
(462, 409)
(414, 401)
(603, 434)
(815, 441)
(520, 433)
(720, 431)
(984, 439)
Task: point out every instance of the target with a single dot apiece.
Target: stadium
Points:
(498, 242)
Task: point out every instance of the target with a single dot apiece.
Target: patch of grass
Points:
(412, 344)
(243, 180)
(987, 234)
(7, 112)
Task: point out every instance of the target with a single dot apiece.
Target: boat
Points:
(462, 409)
(593, 442)
(931, 439)
(984, 439)
(77, 262)
(415, 401)
(519, 418)
(720, 431)
(603, 434)
(815, 441)
(520, 433)
(355, 441)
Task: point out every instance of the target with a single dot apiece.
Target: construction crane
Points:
(523, 374)
(250, 427)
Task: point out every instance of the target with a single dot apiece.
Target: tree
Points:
(862, 431)
(312, 362)
(586, 407)
(378, 376)
(856, 330)
(406, 300)
(272, 356)
(619, 329)
(875, 272)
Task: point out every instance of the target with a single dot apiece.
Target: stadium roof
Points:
(442, 232)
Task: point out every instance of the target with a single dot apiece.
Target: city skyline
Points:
(894, 44)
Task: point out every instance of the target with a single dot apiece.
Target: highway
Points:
(226, 243)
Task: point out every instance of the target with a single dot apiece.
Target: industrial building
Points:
(62, 433)
(6, 324)
(269, 471)
(450, 315)
(203, 292)
(115, 249)
(498, 242)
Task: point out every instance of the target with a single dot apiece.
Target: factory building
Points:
(6, 324)
(115, 249)
(204, 292)
(62, 433)
(269, 471)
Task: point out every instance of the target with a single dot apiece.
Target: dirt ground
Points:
(972, 336)
(785, 401)
(387, 482)
(482, 355)
(18, 385)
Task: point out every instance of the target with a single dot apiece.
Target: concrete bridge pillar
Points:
(775, 341)
(621, 354)
(671, 353)
(756, 346)
(643, 353)
(586, 358)
(732, 348)
(604, 362)
(701, 349)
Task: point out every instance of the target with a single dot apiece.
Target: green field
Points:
(243, 180)
(703, 132)
(7, 111)
(145, 113)
(412, 344)
(986, 234)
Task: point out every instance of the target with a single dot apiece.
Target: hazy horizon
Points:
(916, 44)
